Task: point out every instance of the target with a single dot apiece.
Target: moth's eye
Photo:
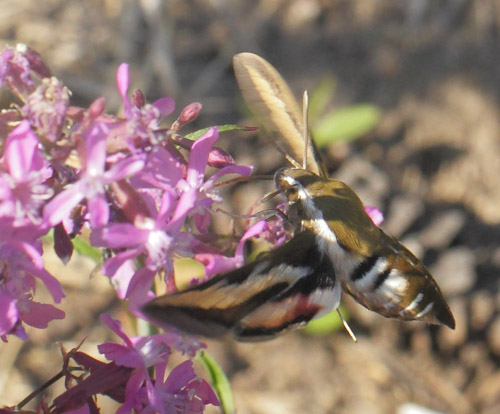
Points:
(292, 193)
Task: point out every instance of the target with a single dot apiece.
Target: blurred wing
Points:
(284, 289)
(270, 99)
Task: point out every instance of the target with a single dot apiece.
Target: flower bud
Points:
(97, 107)
(138, 98)
(219, 158)
(188, 114)
(37, 65)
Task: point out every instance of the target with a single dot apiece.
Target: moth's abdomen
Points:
(398, 285)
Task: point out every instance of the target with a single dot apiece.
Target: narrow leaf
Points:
(83, 247)
(320, 97)
(346, 124)
(222, 128)
(219, 381)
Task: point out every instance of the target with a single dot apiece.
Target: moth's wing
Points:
(285, 288)
(270, 99)
(396, 284)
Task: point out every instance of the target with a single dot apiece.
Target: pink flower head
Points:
(173, 196)
(17, 65)
(46, 108)
(141, 123)
(93, 181)
(217, 263)
(139, 353)
(20, 265)
(198, 195)
(158, 238)
(22, 184)
(182, 391)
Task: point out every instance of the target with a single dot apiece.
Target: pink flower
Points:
(22, 185)
(159, 239)
(16, 67)
(20, 264)
(46, 108)
(93, 181)
(182, 391)
(138, 353)
(198, 195)
(217, 263)
(161, 236)
(141, 123)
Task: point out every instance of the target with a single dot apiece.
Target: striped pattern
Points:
(282, 290)
(364, 268)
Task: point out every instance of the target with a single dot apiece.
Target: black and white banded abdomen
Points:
(398, 286)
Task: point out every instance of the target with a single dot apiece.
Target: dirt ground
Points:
(432, 165)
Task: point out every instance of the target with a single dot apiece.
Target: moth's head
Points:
(293, 182)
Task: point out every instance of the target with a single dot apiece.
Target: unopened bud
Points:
(97, 107)
(62, 244)
(219, 158)
(37, 65)
(188, 114)
(138, 98)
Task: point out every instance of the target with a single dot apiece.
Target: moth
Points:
(335, 246)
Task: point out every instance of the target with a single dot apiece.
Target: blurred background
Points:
(431, 162)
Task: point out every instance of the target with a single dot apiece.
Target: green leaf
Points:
(83, 247)
(219, 381)
(328, 323)
(320, 97)
(222, 128)
(345, 124)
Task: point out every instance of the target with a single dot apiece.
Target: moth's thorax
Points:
(320, 205)
(329, 208)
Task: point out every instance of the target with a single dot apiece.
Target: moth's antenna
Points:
(271, 195)
(243, 180)
(347, 327)
(305, 110)
(294, 163)
(260, 215)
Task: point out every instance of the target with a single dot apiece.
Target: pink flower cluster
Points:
(143, 192)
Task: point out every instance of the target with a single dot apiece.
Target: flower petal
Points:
(119, 235)
(19, 149)
(51, 283)
(60, 207)
(179, 377)
(96, 149)
(122, 80)
(165, 105)
(8, 313)
(116, 327)
(139, 286)
(125, 168)
(40, 314)
(99, 211)
(198, 156)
